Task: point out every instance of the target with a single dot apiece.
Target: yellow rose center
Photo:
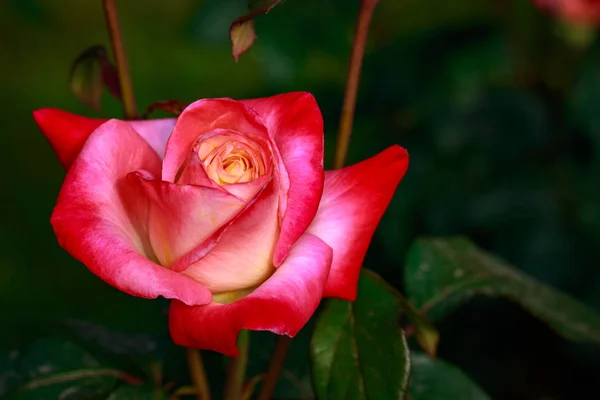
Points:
(229, 161)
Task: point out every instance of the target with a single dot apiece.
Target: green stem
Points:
(81, 374)
(358, 50)
(236, 373)
(198, 374)
(346, 119)
(275, 367)
(114, 31)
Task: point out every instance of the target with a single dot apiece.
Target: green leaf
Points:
(241, 32)
(53, 368)
(426, 334)
(358, 350)
(441, 274)
(434, 379)
(90, 73)
(134, 353)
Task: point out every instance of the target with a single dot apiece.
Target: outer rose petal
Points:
(295, 123)
(242, 258)
(283, 304)
(201, 117)
(68, 132)
(354, 200)
(155, 132)
(183, 216)
(98, 218)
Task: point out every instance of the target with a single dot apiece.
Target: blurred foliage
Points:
(56, 369)
(496, 106)
(435, 379)
(442, 274)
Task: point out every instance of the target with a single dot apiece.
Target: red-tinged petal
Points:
(195, 174)
(295, 123)
(242, 258)
(67, 132)
(184, 216)
(155, 132)
(354, 200)
(200, 118)
(100, 219)
(247, 191)
(283, 304)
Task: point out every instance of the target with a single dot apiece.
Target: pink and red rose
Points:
(580, 11)
(226, 210)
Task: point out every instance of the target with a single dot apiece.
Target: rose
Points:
(582, 11)
(226, 210)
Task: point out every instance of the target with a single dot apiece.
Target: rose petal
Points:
(68, 132)
(99, 218)
(184, 216)
(242, 258)
(354, 200)
(155, 132)
(295, 123)
(201, 117)
(283, 304)
(247, 191)
(194, 172)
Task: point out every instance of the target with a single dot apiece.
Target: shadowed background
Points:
(495, 102)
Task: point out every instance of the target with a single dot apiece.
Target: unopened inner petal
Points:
(228, 161)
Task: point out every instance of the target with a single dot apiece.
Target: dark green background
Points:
(497, 110)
